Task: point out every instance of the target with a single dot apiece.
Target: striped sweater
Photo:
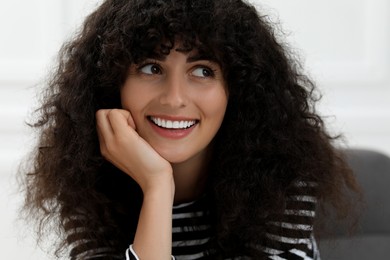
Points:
(291, 234)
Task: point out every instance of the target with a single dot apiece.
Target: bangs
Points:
(183, 26)
(162, 49)
(129, 32)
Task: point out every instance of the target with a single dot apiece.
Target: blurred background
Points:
(343, 45)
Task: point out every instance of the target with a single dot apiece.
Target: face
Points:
(177, 102)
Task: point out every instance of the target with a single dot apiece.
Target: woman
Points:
(182, 129)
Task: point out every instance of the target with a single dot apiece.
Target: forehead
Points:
(194, 52)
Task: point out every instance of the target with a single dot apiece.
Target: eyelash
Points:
(155, 63)
(208, 69)
(143, 65)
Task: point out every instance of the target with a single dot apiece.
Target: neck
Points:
(190, 177)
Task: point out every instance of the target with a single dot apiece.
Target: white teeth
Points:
(172, 124)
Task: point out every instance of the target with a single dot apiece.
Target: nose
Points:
(174, 92)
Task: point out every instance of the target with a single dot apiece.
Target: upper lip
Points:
(174, 118)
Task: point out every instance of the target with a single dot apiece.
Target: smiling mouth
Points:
(173, 124)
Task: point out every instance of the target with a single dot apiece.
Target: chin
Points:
(176, 154)
(174, 158)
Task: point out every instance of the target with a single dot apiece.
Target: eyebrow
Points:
(191, 58)
(203, 56)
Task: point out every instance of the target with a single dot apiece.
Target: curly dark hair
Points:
(270, 138)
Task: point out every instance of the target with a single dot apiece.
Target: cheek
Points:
(131, 101)
(132, 97)
(215, 105)
(128, 102)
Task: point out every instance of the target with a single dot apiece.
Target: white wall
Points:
(346, 49)
(31, 33)
(345, 46)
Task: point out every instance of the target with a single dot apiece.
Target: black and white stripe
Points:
(288, 236)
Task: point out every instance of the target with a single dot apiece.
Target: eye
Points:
(150, 69)
(203, 72)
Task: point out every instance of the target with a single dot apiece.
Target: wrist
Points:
(160, 188)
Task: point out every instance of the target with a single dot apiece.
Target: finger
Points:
(104, 131)
(131, 122)
(118, 119)
(102, 123)
(127, 114)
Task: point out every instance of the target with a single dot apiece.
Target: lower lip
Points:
(172, 133)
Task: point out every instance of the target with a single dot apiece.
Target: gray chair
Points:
(371, 240)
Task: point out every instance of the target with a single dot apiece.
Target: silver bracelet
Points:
(134, 255)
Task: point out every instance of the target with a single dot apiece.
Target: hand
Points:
(121, 145)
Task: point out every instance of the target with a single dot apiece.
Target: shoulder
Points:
(290, 234)
(82, 243)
